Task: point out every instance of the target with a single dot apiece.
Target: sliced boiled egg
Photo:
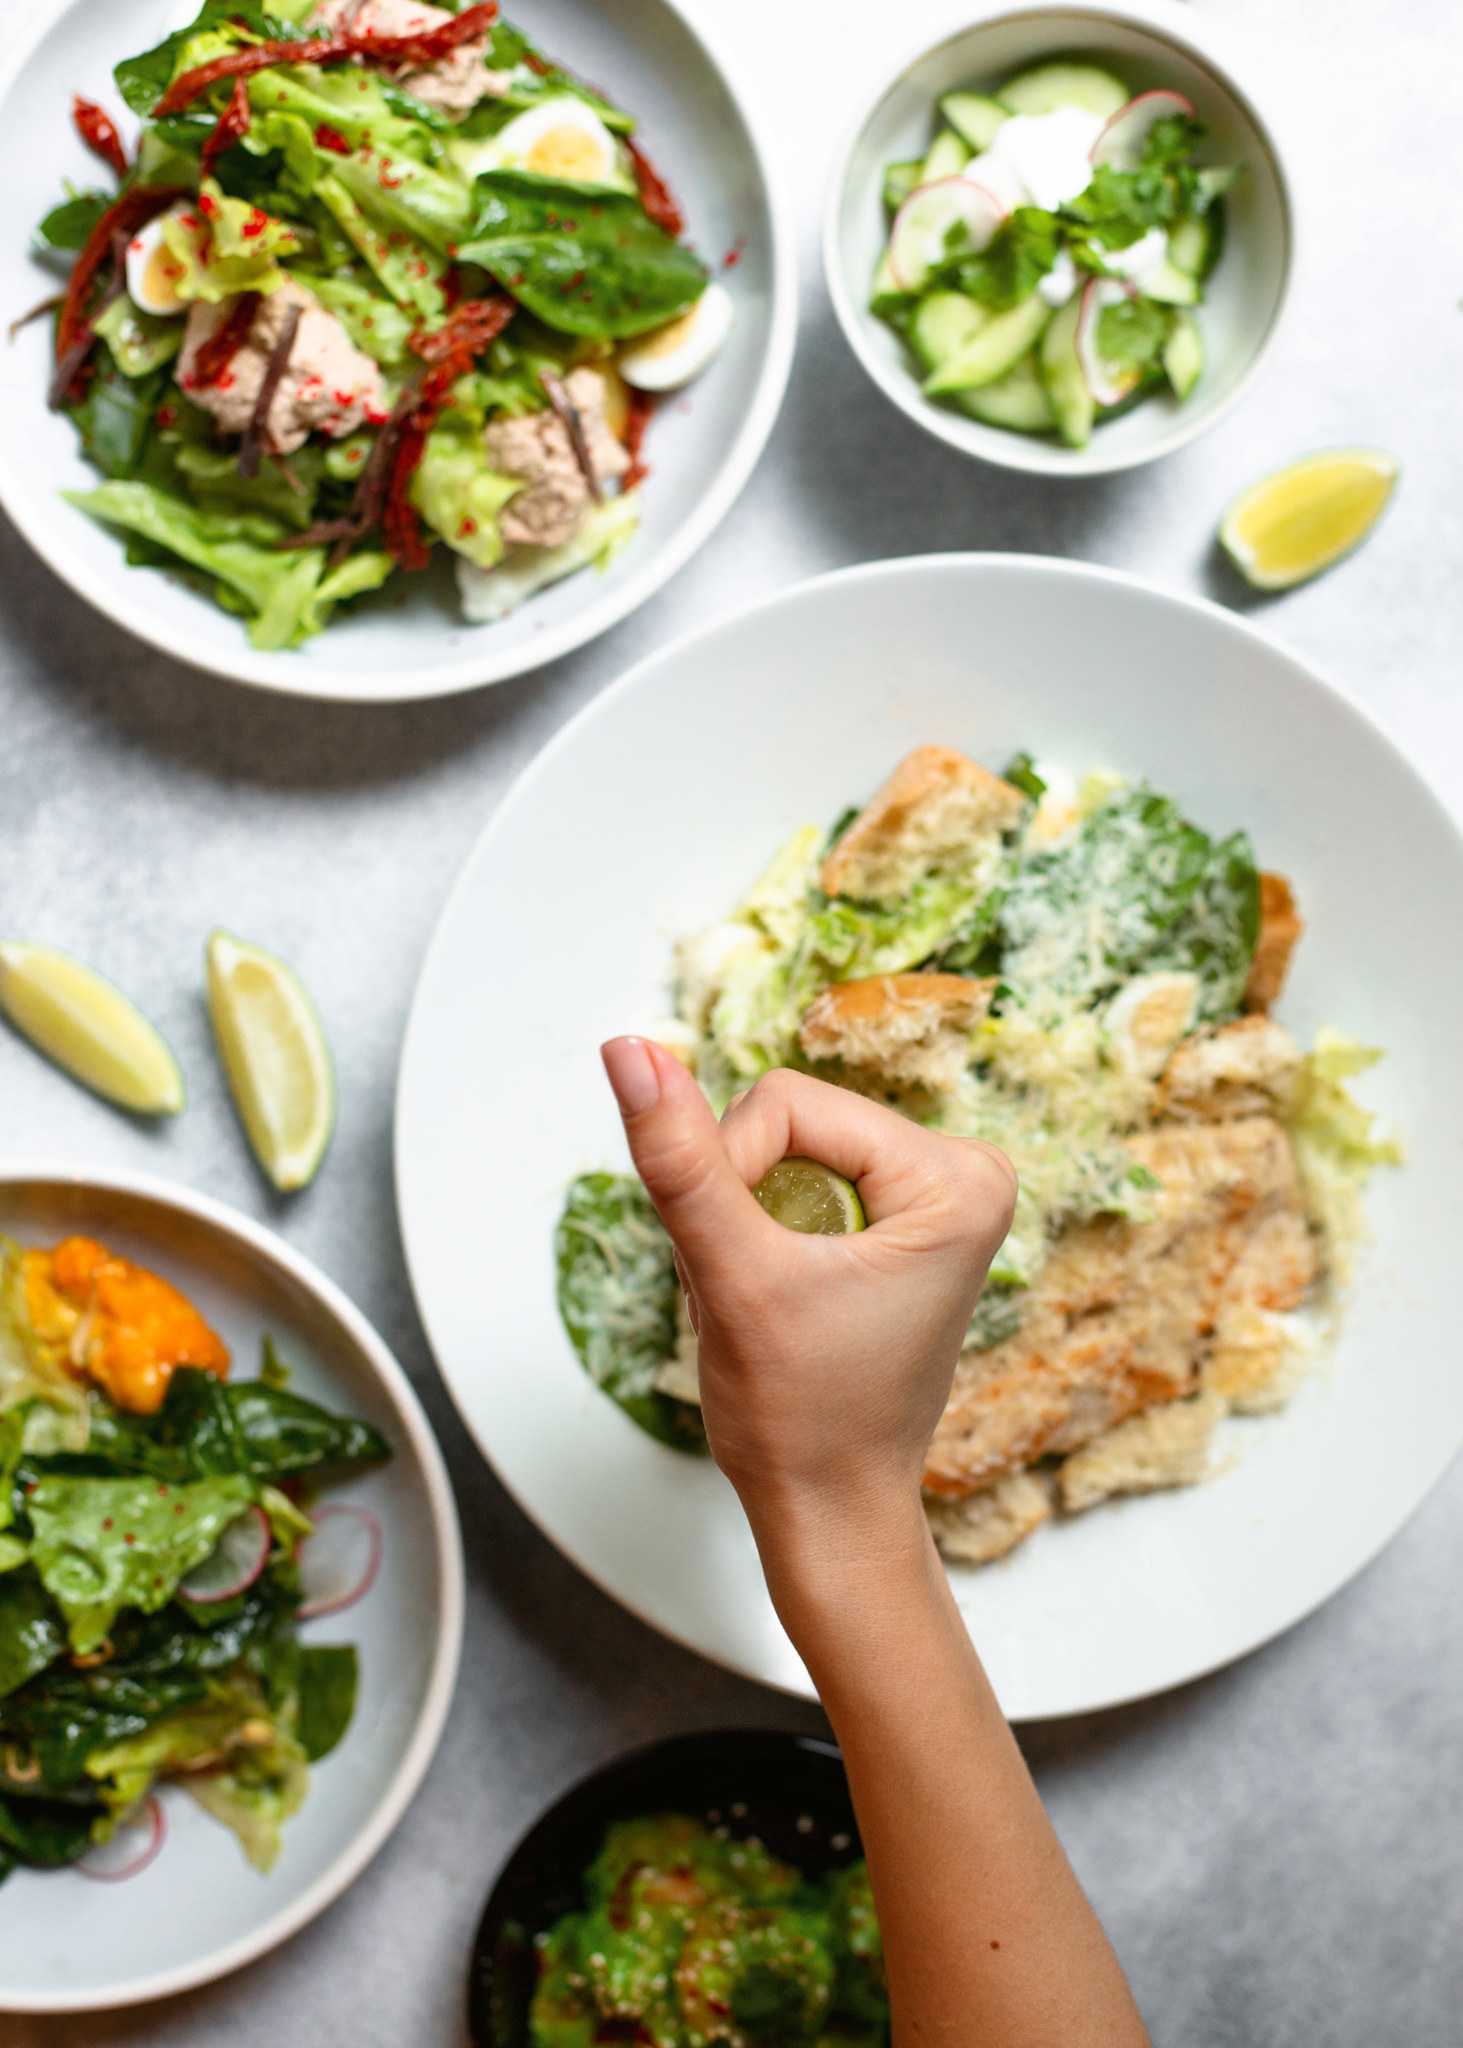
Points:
(153, 271)
(559, 138)
(672, 355)
(1146, 1020)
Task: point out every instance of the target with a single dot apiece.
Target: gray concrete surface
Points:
(1276, 1850)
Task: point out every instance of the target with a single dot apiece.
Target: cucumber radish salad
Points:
(376, 277)
(1045, 257)
(158, 1545)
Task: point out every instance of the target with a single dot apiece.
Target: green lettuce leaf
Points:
(584, 260)
(140, 342)
(327, 1679)
(44, 1832)
(116, 417)
(264, 1784)
(410, 274)
(374, 322)
(617, 1296)
(489, 594)
(104, 1544)
(31, 1633)
(227, 246)
(143, 80)
(457, 490)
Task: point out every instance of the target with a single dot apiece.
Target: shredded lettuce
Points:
(225, 246)
(457, 490)
(1335, 1144)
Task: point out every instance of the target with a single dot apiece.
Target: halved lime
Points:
(88, 1028)
(804, 1195)
(275, 1055)
(1298, 521)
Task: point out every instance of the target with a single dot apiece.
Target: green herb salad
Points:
(690, 1936)
(378, 279)
(159, 1544)
(1071, 968)
(1046, 254)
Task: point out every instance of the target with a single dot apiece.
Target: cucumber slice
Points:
(900, 180)
(1018, 400)
(1170, 285)
(948, 156)
(888, 299)
(944, 324)
(1183, 354)
(1066, 387)
(975, 117)
(1194, 245)
(1216, 180)
(1051, 86)
(999, 345)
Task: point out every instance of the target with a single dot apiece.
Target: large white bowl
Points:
(650, 815)
(199, 1910)
(411, 641)
(1148, 43)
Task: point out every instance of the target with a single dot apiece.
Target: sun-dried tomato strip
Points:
(473, 325)
(428, 47)
(655, 194)
(215, 354)
(567, 413)
(232, 126)
(74, 335)
(98, 131)
(642, 409)
(252, 446)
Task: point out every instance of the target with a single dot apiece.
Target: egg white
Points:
(147, 290)
(672, 355)
(559, 138)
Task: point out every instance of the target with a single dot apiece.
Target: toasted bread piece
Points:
(903, 1028)
(1248, 1068)
(987, 1524)
(1168, 1446)
(1120, 1318)
(1281, 925)
(925, 817)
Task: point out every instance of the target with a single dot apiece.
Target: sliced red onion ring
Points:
(1106, 388)
(339, 1559)
(234, 1562)
(131, 1845)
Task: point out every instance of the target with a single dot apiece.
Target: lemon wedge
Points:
(803, 1195)
(88, 1028)
(1293, 524)
(275, 1055)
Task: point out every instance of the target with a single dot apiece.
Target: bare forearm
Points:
(988, 1935)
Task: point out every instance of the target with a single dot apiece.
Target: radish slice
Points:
(339, 1560)
(131, 1845)
(234, 1562)
(917, 241)
(1121, 141)
(1106, 387)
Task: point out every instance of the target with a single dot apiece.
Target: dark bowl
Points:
(788, 1790)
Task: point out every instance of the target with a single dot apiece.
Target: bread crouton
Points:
(911, 1029)
(926, 816)
(1280, 926)
(1248, 1068)
(989, 1523)
(1168, 1446)
(1120, 1318)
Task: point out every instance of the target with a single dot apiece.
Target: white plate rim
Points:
(472, 672)
(1245, 1642)
(1196, 38)
(264, 1245)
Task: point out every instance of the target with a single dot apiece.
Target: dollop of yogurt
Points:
(1039, 159)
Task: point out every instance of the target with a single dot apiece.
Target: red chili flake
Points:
(98, 131)
(108, 1523)
(655, 194)
(467, 529)
(162, 1492)
(571, 227)
(330, 138)
(211, 363)
(129, 1538)
(426, 47)
(231, 127)
(74, 336)
(642, 406)
(180, 1507)
(734, 254)
(208, 207)
(166, 416)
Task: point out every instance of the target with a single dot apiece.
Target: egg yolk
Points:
(123, 1327)
(161, 276)
(566, 153)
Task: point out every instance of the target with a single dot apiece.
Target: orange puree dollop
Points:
(118, 1324)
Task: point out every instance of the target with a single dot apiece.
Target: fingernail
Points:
(632, 1074)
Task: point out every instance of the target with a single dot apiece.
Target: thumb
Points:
(678, 1148)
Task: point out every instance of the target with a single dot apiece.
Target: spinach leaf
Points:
(327, 1697)
(31, 1634)
(617, 1296)
(585, 260)
(1012, 265)
(285, 1436)
(45, 1832)
(143, 80)
(116, 415)
(1132, 333)
(69, 225)
(66, 1714)
(209, 1427)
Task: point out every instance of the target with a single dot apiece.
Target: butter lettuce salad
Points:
(160, 1542)
(1047, 253)
(377, 281)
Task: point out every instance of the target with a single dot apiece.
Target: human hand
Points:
(825, 1362)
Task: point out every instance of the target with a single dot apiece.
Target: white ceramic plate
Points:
(199, 1909)
(1148, 43)
(651, 814)
(701, 446)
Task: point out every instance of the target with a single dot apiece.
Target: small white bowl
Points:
(1148, 43)
(412, 640)
(199, 1909)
